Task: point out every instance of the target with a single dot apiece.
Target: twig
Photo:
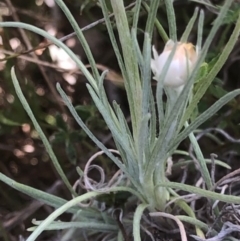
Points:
(32, 49)
(40, 62)
(231, 174)
(179, 223)
(213, 167)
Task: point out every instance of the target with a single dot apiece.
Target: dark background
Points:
(22, 155)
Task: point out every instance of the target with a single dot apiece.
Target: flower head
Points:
(180, 68)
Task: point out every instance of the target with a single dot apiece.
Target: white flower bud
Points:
(180, 67)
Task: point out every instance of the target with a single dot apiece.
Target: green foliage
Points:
(232, 14)
(145, 146)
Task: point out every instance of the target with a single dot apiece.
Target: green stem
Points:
(81, 37)
(160, 193)
(130, 61)
(201, 160)
(43, 226)
(40, 132)
(204, 84)
(171, 20)
(201, 192)
(136, 221)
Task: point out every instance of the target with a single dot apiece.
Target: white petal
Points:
(155, 53)
(154, 66)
